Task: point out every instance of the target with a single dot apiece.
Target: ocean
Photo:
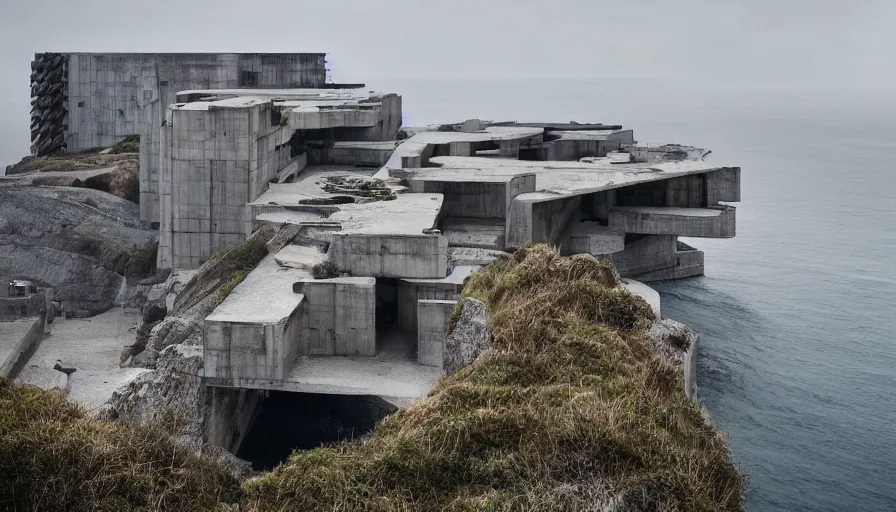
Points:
(797, 363)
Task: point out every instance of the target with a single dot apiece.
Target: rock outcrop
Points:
(471, 335)
(78, 241)
(117, 174)
(678, 343)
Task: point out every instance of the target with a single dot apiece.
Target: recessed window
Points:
(80, 103)
(249, 78)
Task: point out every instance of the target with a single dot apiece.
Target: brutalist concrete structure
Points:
(85, 101)
(405, 236)
(222, 149)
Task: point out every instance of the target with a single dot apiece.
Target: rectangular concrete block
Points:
(432, 323)
(714, 222)
(339, 316)
(424, 256)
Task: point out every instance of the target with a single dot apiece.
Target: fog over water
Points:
(797, 363)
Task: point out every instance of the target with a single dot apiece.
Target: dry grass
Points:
(130, 144)
(54, 457)
(571, 410)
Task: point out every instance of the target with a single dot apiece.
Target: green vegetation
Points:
(53, 456)
(130, 144)
(224, 271)
(571, 408)
(325, 270)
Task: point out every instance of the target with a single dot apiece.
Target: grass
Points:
(53, 456)
(130, 144)
(571, 409)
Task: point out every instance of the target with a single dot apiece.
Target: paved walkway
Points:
(93, 347)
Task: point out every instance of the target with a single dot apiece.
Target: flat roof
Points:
(300, 99)
(554, 180)
(264, 297)
(406, 215)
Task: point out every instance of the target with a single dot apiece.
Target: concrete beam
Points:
(715, 222)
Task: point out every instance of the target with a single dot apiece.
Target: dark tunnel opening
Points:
(301, 421)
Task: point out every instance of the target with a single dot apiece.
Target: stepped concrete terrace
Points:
(222, 149)
(403, 239)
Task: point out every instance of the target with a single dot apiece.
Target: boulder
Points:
(470, 336)
(678, 343)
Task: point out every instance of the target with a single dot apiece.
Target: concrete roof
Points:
(408, 214)
(264, 297)
(307, 187)
(416, 144)
(585, 134)
(297, 99)
(555, 180)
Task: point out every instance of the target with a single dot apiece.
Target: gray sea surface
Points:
(798, 362)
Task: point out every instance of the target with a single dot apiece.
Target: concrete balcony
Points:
(715, 222)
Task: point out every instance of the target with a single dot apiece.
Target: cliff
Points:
(568, 394)
(83, 243)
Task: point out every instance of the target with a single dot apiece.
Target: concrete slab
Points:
(554, 180)
(715, 222)
(479, 233)
(299, 257)
(93, 347)
(308, 186)
(264, 297)
(10, 334)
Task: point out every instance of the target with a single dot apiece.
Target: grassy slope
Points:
(54, 457)
(571, 409)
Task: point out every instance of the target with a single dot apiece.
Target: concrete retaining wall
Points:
(422, 257)
(19, 307)
(432, 323)
(23, 349)
(411, 293)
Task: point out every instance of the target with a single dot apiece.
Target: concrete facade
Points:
(404, 238)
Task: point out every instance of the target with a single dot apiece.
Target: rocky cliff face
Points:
(80, 242)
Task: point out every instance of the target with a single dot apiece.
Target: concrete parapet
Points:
(384, 255)
(432, 323)
(713, 222)
(338, 316)
(592, 238)
(16, 352)
(412, 291)
(468, 195)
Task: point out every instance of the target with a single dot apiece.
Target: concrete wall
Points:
(230, 415)
(236, 351)
(432, 324)
(424, 256)
(544, 221)
(713, 222)
(687, 263)
(111, 96)
(476, 199)
(215, 162)
(411, 293)
(338, 317)
(23, 349)
(19, 307)
(723, 185)
(644, 254)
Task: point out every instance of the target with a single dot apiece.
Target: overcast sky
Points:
(819, 43)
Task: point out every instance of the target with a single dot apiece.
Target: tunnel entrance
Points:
(301, 421)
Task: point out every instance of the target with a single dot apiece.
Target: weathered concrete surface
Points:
(75, 240)
(432, 324)
(93, 347)
(678, 343)
(716, 222)
(18, 341)
(470, 337)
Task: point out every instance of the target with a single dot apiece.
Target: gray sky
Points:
(819, 43)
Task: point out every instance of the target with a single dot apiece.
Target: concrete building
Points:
(221, 149)
(85, 101)
(406, 235)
